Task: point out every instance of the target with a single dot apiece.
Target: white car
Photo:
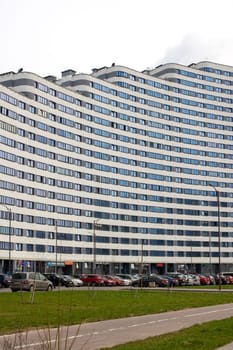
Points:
(127, 279)
(76, 282)
(189, 280)
(196, 280)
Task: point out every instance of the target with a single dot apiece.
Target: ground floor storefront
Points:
(74, 268)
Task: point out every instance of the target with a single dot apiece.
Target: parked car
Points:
(173, 281)
(179, 276)
(230, 279)
(228, 276)
(30, 281)
(119, 281)
(5, 280)
(211, 278)
(128, 279)
(221, 279)
(67, 280)
(59, 280)
(189, 280)
(152, 279)
(92, 280)
(196, 280)
(77, 282)
(204, 279)
(160, 281)
(109, 281)
(54, 278)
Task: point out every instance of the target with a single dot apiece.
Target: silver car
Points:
(30, 281)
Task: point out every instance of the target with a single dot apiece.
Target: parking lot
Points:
(173, 280)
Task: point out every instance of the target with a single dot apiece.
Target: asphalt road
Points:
(97, 335)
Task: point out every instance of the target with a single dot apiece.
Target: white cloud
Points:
(197, 47)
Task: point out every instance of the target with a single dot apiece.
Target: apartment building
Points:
(117, 170)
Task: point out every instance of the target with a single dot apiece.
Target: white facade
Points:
(119, 168)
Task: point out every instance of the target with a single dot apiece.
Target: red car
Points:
(109, 281)
(204, 280)
(228, 276)
(92, 280)
(118, 281)
(230, 279)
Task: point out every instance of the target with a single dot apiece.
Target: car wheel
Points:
(49, 289)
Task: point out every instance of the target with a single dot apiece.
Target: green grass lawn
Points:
(78, 306)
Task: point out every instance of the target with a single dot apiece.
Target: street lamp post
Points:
(94, 245)
(219, 235)
(189, 243)
(210, 252)
(56, 245)
(9, 250)
(191, 255)
(142, 253)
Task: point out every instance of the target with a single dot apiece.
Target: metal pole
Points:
(94, 249)
(10, 262)
(219, 236)
(210, 252)
(56, 245)
(9, 250)
(191, 256)
(94, 245)
(219, 240)
(141, 265)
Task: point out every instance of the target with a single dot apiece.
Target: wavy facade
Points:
(118, 170)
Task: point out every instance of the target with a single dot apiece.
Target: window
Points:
(29, 247)
(18, 246)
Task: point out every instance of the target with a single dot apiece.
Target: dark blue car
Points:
(5, 281)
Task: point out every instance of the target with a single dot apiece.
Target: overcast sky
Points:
(49, 36)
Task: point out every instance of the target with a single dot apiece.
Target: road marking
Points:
(208, 312)
(166, 319)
